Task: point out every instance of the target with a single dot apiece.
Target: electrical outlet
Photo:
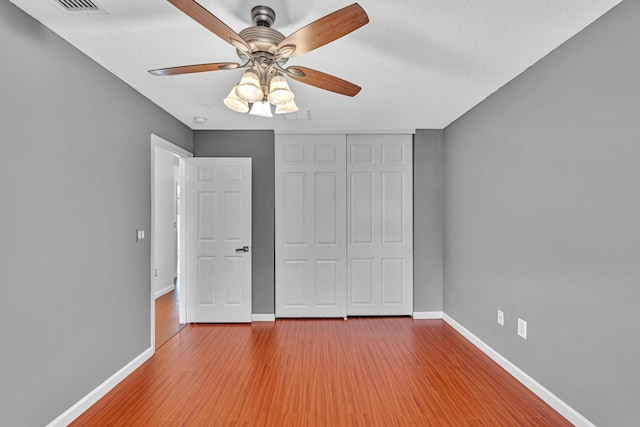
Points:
(500, 317)
(522, 328)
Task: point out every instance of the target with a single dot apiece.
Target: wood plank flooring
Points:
(358, 372)
(167, 317)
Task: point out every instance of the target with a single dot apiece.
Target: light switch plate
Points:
(500, 317)
(522, 328)
(139, 234)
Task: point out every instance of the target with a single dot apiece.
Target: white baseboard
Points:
(551, 399)
(427, 315)
(165, 291)
(96, 394)
(263, 317)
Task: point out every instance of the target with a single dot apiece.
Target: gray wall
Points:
(75, 171)
(428, 219)
(542, 208)
(258, 145)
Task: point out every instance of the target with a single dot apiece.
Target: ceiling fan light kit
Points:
(249, 88)
(279, 92)
(234, 102)
(264, 51)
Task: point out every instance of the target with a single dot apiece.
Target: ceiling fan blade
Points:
(211, 23)
(322, 80)
(186, 69)
(326, 29)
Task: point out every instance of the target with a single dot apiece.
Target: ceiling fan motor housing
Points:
(261, 37)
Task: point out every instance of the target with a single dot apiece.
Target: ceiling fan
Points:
(264, 51)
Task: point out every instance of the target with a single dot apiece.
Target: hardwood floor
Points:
(167, 317)
(359, 372)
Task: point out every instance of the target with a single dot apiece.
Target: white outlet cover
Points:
(522, 328)
(500, 317)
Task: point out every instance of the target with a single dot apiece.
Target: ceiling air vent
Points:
(298, 115)
(80, 6)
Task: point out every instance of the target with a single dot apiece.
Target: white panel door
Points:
(310, 225)
(380, 225)
(218, 240)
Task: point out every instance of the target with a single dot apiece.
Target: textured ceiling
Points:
(421, 63)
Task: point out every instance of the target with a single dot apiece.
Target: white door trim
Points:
(158, 142)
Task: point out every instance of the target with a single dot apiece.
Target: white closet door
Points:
(380, 225)
(310, 225)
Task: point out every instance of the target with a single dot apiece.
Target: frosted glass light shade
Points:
(249, 88)
(279, 92)
(289, 107)
(261, 108)
(236, 104)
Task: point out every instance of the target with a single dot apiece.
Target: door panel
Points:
(361, 280)
(295, 277)
(361, 198)
(380, 234)
(326, 273)
(218, 225)
(392, 279)
(393, 206)
(325, 204)
(294, 210)
(310, 226)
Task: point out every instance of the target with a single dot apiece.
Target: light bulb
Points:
(279, 92)
(249, 88)
(236, 104)
(261, 108)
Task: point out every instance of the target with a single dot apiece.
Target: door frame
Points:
(182, 154)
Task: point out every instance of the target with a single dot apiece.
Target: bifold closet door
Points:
(380, 225)
(311, 268)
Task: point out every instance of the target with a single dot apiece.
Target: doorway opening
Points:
(168, 293)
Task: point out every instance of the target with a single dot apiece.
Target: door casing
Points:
(162, 144)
